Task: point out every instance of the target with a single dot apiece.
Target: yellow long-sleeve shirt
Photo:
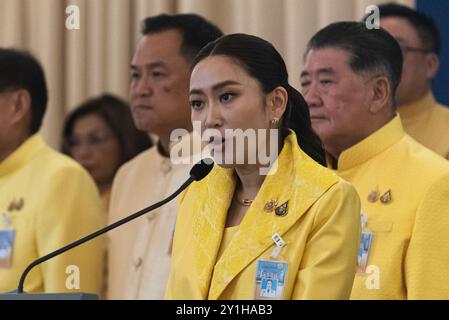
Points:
(54, 202)
(428, 123)
(321, 230)
(411, 231)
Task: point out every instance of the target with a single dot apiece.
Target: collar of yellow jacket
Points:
(22, 155)
(294, 177)
(373, 145)
(418, 107)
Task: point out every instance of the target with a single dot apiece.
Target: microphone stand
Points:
(198, 172)
(99, 233)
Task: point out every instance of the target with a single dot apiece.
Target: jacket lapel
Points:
(293, 182)
(209, 217)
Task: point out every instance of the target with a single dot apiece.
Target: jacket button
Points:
(137, 263)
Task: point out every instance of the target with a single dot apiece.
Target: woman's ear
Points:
(381, 91)
(277, 102)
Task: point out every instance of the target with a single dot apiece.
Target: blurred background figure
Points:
(47, 200)
(101, 136)
(423, 117)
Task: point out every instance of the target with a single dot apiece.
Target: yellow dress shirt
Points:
(321, 230)
(428, 123)
(59, 204)
(409, 254)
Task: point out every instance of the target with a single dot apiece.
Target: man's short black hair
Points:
(424, 25)
(195, 30)
(372, 51)
(20, 70)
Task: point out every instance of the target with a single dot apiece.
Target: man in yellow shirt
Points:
(46, 199)
(140, 252)
(349, 81)
(423, 118)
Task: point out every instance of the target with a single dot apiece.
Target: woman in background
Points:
(100, 135)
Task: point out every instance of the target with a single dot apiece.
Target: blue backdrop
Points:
(439, 10)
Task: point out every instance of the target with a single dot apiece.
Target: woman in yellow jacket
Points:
(241, 233)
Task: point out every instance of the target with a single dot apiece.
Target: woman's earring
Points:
(274, 123)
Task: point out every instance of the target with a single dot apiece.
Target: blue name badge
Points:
(362, 258)
(270, 280)
(6, 248)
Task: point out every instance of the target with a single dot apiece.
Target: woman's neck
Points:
(249, 181)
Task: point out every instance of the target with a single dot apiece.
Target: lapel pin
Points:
(374, 195)
(270, 205)
(16, 205)
(282, 209)
(386, 197)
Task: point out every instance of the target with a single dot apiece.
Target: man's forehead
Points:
(326, 60)
(158, 46)
(401, 29)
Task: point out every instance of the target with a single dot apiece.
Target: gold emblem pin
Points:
(270, 205)
(386, 197)
(16, 205)
(374, 195)
(282, 209)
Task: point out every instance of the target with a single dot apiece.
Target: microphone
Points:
(198, 172)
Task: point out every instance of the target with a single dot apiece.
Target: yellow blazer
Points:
(59, 204)
(321, 229)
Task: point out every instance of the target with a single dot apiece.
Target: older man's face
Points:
(338, 98)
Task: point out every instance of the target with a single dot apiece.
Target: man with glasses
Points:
(423, 118)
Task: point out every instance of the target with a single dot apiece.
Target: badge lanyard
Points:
(271, 274)
(7, 236)
(365, 246)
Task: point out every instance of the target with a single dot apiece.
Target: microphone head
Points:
(202, 169)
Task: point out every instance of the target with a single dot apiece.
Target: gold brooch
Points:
(374, 195)
(270, 205)
(282, 209)
(16, 205)
(386, 197)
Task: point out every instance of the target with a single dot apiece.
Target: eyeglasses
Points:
(91, 140)
(406, 49)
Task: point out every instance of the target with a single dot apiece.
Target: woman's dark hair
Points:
(115, 112)
(263, 62)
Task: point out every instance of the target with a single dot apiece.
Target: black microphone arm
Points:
(198, 172)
